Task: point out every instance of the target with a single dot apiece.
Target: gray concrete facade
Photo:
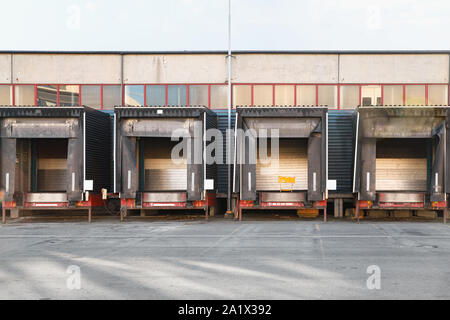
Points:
(273, 67)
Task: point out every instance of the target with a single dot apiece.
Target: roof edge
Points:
(225, 52)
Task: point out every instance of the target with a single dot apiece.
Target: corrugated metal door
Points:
(401, 165)
(340, 149)
(161, 173)
(51, 165)
(293, 162)
(222, 169)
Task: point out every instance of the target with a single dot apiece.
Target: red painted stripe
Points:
(166, 94)
(57, 95)
(145, 95)
(273, 94)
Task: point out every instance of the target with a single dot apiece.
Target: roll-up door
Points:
(161, 173)
(51, 164)
(401, 165)
(293, 162)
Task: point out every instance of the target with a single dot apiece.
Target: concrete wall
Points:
(66, 68)
(5, 68)
(400, 68)
(212, 68)
(285, 68)
(175, 68)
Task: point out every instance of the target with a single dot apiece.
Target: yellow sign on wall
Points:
(286, 180)
(282, 179)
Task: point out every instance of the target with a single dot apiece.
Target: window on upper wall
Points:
(47, 95)
(349, 97)
(176, 95)
(284, 95)
(437, 94)
(242, 95)
(134, 95)
(198, 95)
(371, 95)
(306, 95)
(91, 96)
(5, 95)
(111, 96)
(69, 95)
(415, 95)
(392, 95)
(219, 96)
(327, 96)
(262, 95)
(24, 95)
(155, 95)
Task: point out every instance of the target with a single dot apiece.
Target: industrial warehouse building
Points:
(339, 81)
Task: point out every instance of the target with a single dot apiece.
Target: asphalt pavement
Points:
(225, 259)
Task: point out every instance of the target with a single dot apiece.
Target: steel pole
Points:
(229, 111)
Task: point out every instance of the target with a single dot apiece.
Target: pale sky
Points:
(157, 25)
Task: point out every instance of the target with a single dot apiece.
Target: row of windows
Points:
(96, 96)
(107, 96)
(341, 96)
(215, 96)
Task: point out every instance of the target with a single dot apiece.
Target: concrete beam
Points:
(65, 68)
(394, 68)
(285, 68)
(178, 68)
(5, 68)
